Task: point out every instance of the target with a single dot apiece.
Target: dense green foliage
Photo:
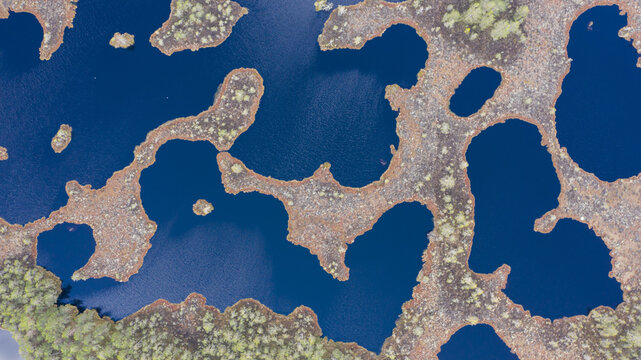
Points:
(499, 17)
(28, 309)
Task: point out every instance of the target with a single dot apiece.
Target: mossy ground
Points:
(191, 330)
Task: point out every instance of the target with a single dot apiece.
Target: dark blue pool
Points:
(318, 106)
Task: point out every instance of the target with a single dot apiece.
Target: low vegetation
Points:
(247, 330)
(498, 17)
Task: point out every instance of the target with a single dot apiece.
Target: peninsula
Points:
(524, 40)
(196, 24)
(53, 15)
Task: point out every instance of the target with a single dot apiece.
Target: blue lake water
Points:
(597, 113)
(318, 106)
(478, 342)
(8, 347)
(477, 87)
(239, 251)
(563, 273)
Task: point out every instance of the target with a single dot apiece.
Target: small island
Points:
(527, 46)
(4, 155)
(62, 139)
(202, 207)
(122, 41)
(117, 209)
(323, 5)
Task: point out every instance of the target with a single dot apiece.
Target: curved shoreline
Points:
(429, 167)
(208, 24)
(49, 13)
(449, 247)
(121, 227)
